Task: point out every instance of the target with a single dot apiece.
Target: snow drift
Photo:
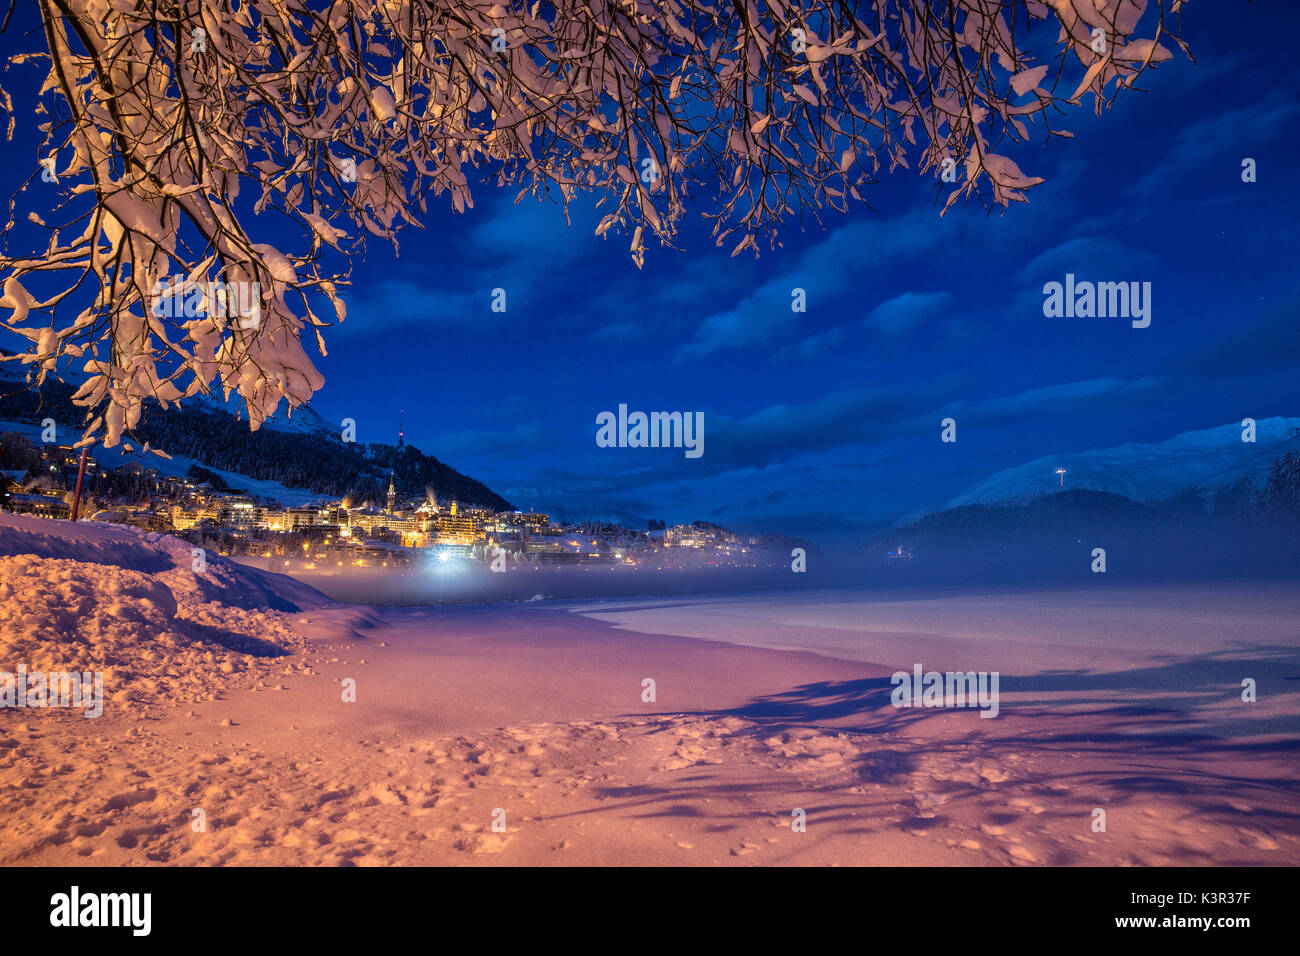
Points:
(141, 608)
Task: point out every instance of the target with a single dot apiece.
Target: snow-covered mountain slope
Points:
(1201, 462)
(302, 421)
(296, 421)
(174, 466)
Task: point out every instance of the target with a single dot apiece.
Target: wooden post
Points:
(81, 475)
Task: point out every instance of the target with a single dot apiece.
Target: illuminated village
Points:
(344, 534)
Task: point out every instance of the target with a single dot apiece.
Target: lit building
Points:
(39, 503)
(453, 528)
(238, 513)
(529, 521)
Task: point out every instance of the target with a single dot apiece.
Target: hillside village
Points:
(201, 507)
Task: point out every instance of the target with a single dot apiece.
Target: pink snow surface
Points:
(526, 733)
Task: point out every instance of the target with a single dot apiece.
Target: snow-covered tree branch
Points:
(187, 138)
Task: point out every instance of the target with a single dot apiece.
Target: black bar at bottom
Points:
(304, 907)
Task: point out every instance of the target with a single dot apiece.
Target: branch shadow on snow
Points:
(1067, 740)
(1179, 690)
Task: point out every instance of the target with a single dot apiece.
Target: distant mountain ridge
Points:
(1201, 464)
(567, 514)
(1202, 504)
(298, 450)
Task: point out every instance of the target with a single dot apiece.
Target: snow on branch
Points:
(181, 134)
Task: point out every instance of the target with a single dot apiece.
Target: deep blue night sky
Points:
(828, 421)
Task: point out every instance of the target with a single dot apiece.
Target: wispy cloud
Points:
(908, 311)
(827, 271)
(1221, 141)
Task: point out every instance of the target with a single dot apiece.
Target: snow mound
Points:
(132, 605)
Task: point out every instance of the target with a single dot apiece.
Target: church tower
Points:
(392, 493)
